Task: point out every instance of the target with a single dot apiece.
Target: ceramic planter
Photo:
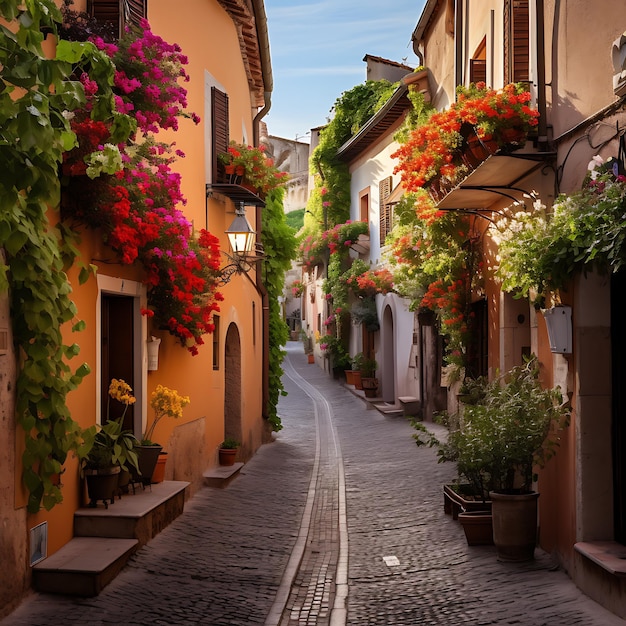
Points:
(514, 525)
(370, 386)
(148, 457)
(462, 498)
(478, 527)
(102, 485)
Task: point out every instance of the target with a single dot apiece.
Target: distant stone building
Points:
(292, 157)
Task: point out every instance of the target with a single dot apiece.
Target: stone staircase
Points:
(104, 539)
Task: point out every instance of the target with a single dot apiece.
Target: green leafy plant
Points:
(229, 444)
(513, 426)
(367, 366)
(541, 250)
(280, 249)
(112, 445)
(38, 92)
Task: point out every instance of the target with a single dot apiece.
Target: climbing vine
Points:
(329, 203)
(37, 95)
(280, 249)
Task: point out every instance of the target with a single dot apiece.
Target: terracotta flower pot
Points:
(227, 456)
(159, 469)
(478, 527)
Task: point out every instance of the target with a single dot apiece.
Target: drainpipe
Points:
(268, 86)
(266, 66)
(542, 128)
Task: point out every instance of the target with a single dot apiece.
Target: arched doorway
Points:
(388, 365)
(232, 384)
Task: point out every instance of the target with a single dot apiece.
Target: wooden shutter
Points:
(521, 41)
(384, 208)
(478, 70)
(119, 13)
(516, 41)
(221, 134)
(135, 11)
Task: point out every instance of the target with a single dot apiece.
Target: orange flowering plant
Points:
(436, 264)
(252, 166)
(433, 150)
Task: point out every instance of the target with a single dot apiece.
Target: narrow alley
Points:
(339, 521)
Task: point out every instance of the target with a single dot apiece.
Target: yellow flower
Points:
(121, 391)
(165, 402)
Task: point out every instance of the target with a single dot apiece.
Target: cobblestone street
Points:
(339, 521)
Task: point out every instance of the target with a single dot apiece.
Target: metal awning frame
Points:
(505, 171)
(236, 193)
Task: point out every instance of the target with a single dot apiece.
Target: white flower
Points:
(596, 162)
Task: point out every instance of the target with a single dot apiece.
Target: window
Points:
(385, 209)
(119, 13)
(478, 63)
(516, 41)
(220, 131)
(477, 350)
(216, 342)
(364, 205)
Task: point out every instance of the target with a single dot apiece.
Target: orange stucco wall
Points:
(211, 42)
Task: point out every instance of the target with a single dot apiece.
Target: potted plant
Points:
(165, 402)
(353, 375)
(368, 367)
(513, 429)
(112, 451)
(228, 451)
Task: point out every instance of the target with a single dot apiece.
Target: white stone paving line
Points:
(339, 611)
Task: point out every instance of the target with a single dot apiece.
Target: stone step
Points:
(390, 410)
(140, 516)
(221, 475)
(84, 566)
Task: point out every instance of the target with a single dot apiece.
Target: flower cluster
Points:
(541, 251)
(336, 240)
(131, 192)
(297, 288)
(121, 391)
(433, 150)
(165, 402)
(252, 168)
(492, 111)
(371, 282)
(436, 263)
(146, 79)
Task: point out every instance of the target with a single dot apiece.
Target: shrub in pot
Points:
(518, 423)
(369, 382)
(228, 451)
(511, 428)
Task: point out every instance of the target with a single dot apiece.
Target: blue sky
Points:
(317, 50)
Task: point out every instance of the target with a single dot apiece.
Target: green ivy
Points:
(36, 94)
(350, 112)
(279, 244)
